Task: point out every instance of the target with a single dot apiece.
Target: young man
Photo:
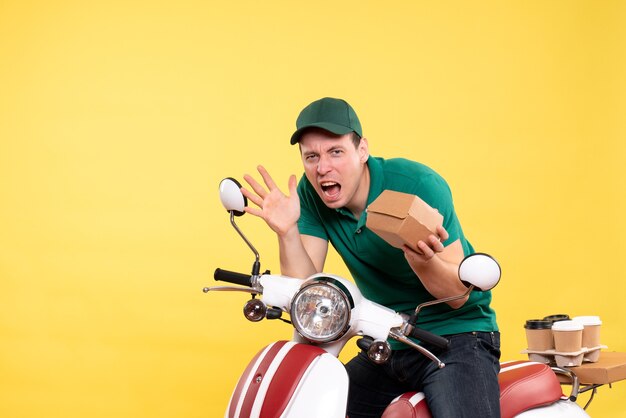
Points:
(328, 205)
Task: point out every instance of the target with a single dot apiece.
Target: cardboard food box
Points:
(401, 218)
(611, 367)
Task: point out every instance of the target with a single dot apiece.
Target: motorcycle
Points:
(304, 378)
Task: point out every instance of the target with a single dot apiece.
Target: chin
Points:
(333, 204)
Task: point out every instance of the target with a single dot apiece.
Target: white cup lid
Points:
(588, 320)
(569, 325)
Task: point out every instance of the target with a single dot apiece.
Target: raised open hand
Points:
(279, 211)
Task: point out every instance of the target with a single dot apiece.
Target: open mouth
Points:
(330, 188)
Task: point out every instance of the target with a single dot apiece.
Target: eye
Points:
(336, 152)
(310, 158)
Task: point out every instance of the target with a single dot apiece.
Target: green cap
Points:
(333, 115)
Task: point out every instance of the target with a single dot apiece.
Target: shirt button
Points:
(358, 231)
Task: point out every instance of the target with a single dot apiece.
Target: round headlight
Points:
(320, 312)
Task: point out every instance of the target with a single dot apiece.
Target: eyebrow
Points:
(332, 148)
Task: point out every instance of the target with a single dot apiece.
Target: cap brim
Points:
(330, 127)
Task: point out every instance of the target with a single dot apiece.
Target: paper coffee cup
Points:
(556, 317)
(539, 334)
(591, 330)
(568, 336)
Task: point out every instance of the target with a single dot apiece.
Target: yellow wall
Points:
(118, 119)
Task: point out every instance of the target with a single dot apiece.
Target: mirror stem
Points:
(256, 267)
(413, 318)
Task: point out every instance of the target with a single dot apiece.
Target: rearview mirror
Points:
(232, 198)
(480, 270)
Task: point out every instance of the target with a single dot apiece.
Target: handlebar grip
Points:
(233, 277)
(429, 337)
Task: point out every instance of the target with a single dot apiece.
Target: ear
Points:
(364, 150)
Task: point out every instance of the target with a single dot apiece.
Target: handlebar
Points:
(429, 337)
(233, 277)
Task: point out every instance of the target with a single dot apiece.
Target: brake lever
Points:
(399, 336)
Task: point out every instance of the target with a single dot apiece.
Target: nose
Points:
(323, 165)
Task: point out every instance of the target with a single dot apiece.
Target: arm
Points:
(315, 248)
(300, 255)
(437, 267)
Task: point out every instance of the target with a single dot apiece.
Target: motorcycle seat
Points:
(523, 385)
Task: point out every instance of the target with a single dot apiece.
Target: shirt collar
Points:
(377, 179)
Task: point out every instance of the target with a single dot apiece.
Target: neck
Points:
(359, 200)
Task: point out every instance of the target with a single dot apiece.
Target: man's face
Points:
(335, 168)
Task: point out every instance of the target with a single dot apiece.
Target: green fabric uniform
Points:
(380, 271)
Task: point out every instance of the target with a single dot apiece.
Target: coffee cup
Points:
(591, 330)
(539, 335)
(556, 317)
(568, 336)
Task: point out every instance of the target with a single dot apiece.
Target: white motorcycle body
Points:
(296, 379)
(288, 379)
(561, 409)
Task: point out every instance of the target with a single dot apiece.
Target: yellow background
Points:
(118, 119)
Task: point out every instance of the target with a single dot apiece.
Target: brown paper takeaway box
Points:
(401, 218)
(611, 367)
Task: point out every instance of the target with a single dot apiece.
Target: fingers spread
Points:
(293, 185)
(258, 189)
(254, 198)
(253, 211)
(269, 181)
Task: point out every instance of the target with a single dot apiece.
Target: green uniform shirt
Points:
(380, 271)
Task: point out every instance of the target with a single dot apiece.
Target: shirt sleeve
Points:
(438, 195)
